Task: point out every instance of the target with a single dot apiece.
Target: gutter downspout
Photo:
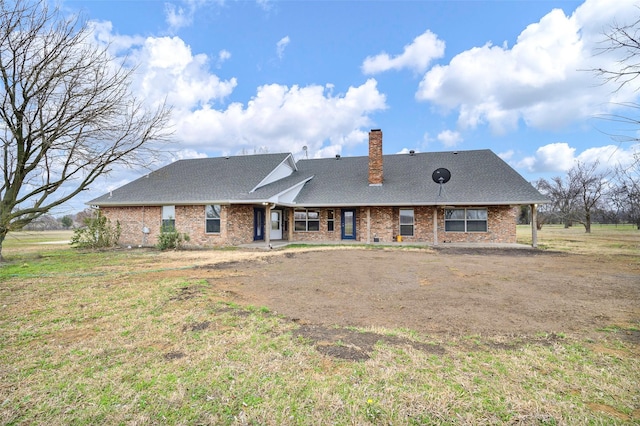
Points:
(368, 225)
(534, 226)
(435, 225)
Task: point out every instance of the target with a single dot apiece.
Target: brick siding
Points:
(375, 158)
(501, 228)
(236, 225)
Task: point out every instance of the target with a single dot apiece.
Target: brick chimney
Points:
(375, 157)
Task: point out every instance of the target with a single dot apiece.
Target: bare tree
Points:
(624, 41)
(564, 200)
(67, 114)
(575, 197)
(591, 185)
(625, 194)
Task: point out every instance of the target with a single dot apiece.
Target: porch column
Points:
(534, 227)
(291, 214)
(368, 225)
(267, 225)
(435, 225)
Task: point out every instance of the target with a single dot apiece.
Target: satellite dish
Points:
(441, 176)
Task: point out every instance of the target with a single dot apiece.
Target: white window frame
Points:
(467, 219)
(306, 217)
(212, 208)
(402, 225)
(331, 220)
(168, 217)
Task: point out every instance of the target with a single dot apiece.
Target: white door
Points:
(276, 224)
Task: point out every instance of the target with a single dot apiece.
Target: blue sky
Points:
(274, 76)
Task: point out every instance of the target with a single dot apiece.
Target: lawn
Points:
(604, 239)
(139, 337)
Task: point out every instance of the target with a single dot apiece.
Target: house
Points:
(432, 198)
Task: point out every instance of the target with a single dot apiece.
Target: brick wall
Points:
(384, 223)
(323, 234)
(189, 219)
(236, 225)
(375, 157)
(132, 222)
(501, 227)
(192, 221)
(239, 224)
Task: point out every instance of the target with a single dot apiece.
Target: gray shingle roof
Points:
(196, 181)
(478, 177)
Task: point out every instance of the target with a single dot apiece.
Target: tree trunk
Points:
(3, 234)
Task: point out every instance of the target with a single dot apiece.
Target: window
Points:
(406, 222)
(465, 220)
(331, 219)
(168, 217)
(306, 220)
(212, 219)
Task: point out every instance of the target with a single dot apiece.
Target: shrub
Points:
(170, 238)
(97, 233)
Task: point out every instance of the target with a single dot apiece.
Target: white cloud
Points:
(449, 138)
(286, 118)
(277, 118)
(555, 157)
(609, 155)
(416, 56)
(265, 5)
(507, 155)
(169, 69)
(185, 154)
(543, 80)
(223, 56)
(407, 151)
(178, 17)
(281, 45)
(560, 157)
(103, 35)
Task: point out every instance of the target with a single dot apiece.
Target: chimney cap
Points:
(376, 130)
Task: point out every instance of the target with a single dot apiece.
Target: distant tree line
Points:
(48, 222)
(590, 194)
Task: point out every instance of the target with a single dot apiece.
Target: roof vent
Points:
(337, 156)
(412, 152)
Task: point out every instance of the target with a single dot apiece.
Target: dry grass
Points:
(137, 337)
(34, 242)
(603, 239)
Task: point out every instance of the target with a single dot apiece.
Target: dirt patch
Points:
(453, 291)
(196, 327)
(170, 356)
(607, 409)
(355, 345)
(501, 299)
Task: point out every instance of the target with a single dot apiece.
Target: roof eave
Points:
(421, 204)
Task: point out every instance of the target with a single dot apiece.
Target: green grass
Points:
(134, 337)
